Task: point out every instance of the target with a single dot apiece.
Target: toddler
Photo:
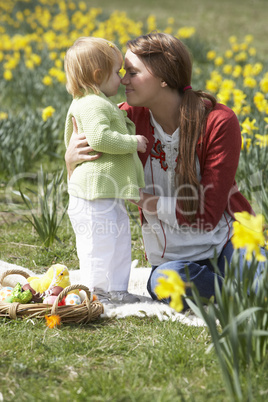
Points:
(97, 189)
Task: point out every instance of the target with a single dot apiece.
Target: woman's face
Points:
(142, 88)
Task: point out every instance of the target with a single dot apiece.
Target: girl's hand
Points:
(142, 143)
(78, 150)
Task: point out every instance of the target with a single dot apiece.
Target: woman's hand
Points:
(147, 202)
(78, 150)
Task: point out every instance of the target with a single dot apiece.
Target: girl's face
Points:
(142, 88)
(110, 86)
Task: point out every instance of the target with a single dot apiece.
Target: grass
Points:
(133, 359)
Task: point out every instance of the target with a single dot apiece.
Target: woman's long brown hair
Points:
(168, 58)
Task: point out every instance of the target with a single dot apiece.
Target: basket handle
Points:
(13, 272)
(64, 293)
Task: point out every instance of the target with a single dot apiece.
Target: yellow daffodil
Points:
(260, 101)
(246, 142)
(151, 23)
(228, 54)
(239, 96)
(171, 286)
(237, 71)
(82, 5)
(262, 140)
(47, 113)
(211, 55)
(242, 56)
(257, 68)
(237, 108)
(227, 69)
(186, 32)
(216, 76)
(249, 38)
(252, 51)
(219, 61)
(264, 84)
(248, 70)
(235, 47)
(29, 64)
(3, 115)
(250, 82)
(246, 110)
(232, 39)
(53, 55)
(212, 86)
(228, 84)
(248, 126)
(248, 233)
(8, 75)
(243, 46)
(47, 80)
(170, 21)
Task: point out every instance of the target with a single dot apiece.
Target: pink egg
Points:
(50, 299)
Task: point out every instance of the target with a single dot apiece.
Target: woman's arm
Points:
(78, 150)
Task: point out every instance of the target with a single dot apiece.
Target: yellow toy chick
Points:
(56, 275)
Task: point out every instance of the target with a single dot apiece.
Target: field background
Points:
(214, 20)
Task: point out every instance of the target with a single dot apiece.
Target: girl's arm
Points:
(97, 117)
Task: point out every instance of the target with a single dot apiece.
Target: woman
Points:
(188, 204)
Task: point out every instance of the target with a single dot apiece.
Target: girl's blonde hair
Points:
(88, 63)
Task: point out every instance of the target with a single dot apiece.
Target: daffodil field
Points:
(34, 36)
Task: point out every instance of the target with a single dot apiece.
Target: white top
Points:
(164, 239)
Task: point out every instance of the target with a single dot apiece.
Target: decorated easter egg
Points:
(50, 300)
(8, 299)
(72, 299)
(5, 292)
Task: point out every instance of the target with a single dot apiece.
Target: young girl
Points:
(98, 189)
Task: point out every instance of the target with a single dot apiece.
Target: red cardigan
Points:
(218, 153)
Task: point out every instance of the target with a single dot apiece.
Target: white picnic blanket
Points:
(137, 285)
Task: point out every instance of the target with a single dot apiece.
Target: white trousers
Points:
(103, 242)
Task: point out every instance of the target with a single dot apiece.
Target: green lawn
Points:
(134, 359)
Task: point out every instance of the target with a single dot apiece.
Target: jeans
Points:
(201, 273)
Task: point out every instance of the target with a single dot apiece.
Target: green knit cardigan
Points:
(118, 173)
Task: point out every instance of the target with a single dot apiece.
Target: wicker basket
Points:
(82, 313)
